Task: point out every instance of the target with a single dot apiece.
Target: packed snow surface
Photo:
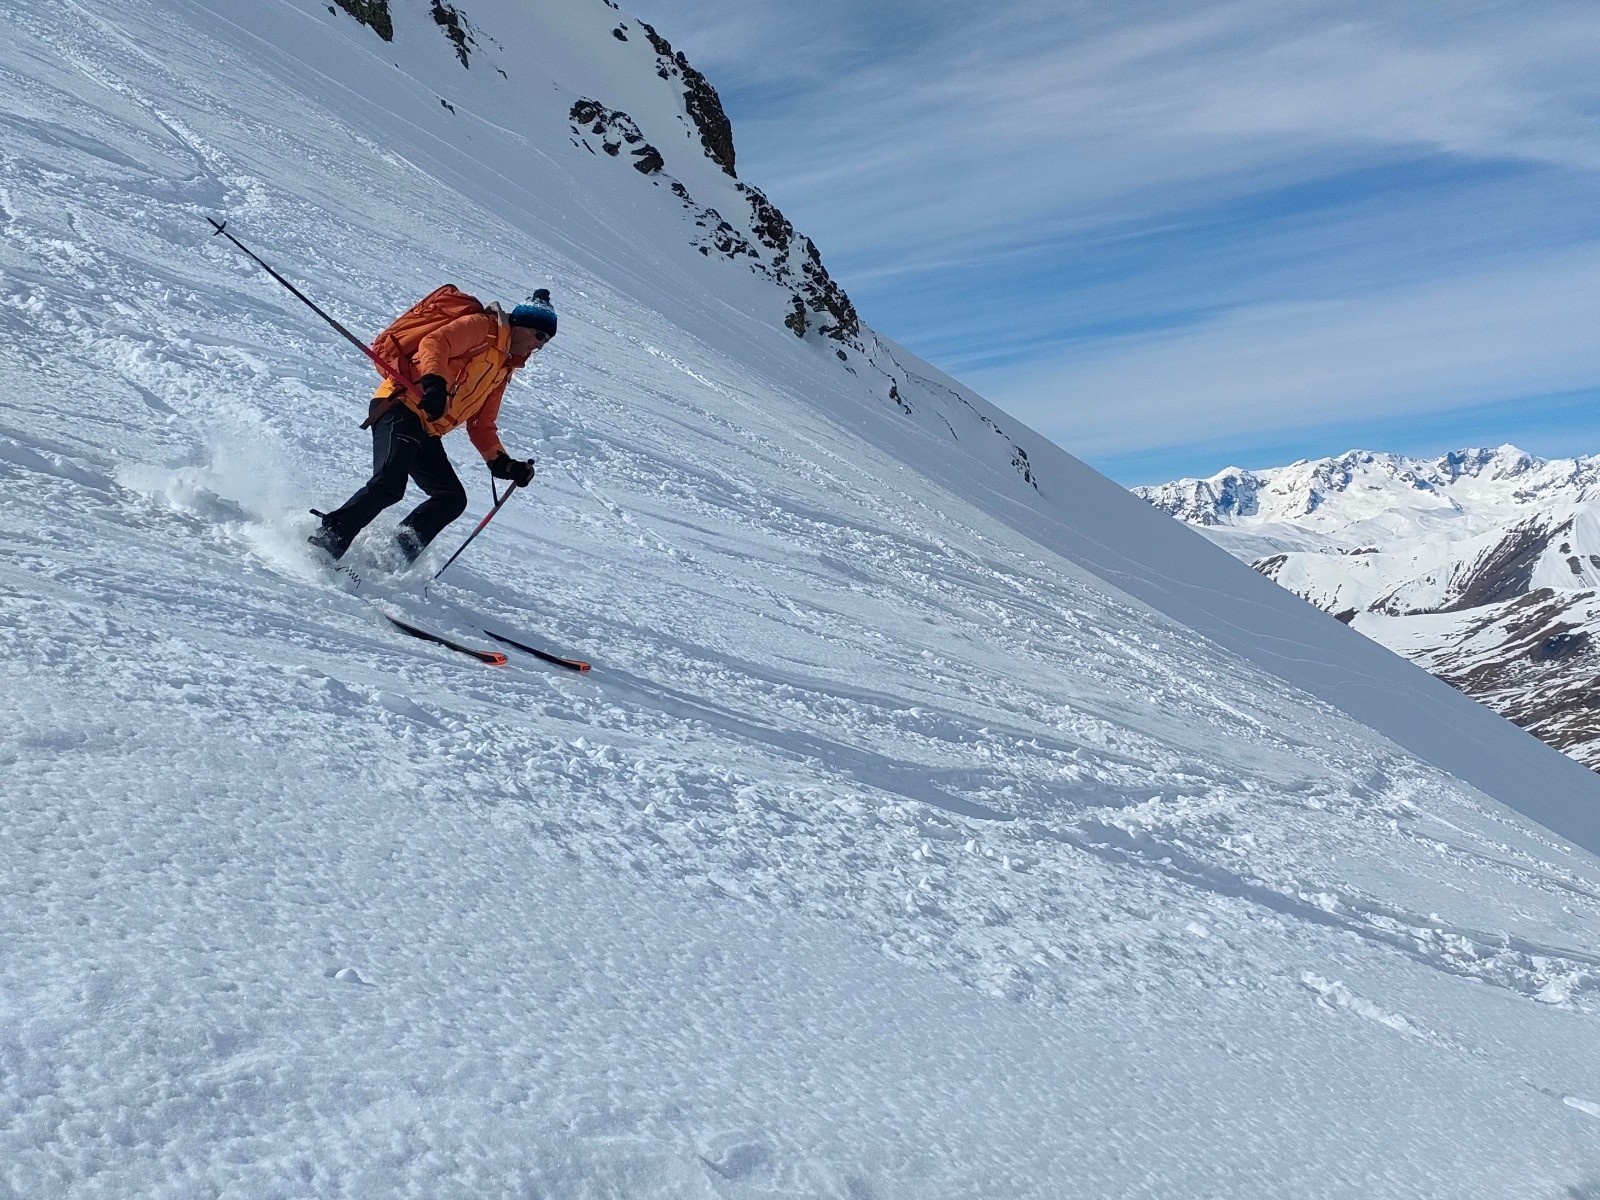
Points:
(918, 833)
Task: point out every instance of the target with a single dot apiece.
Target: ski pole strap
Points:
(385, 369)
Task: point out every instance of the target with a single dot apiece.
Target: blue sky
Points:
(1175, 237)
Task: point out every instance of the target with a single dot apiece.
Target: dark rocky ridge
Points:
(1544, 674)
(814, 288)
(1529, 654)
(614, 129)
(817, 303)
(374, 14)
(1506, 570)
(790, 259)
(699, 98)
(456, 30)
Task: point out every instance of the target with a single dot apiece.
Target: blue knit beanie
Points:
(536, 312)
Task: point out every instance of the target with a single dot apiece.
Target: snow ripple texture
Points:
(883, 854)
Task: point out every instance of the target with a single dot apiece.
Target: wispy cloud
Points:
(1269, 208)
(996, 121)
(1522, 331)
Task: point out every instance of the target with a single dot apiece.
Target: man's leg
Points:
(397, 436)
(447, 499)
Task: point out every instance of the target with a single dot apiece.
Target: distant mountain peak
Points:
(1482, 564)
(1354, 486)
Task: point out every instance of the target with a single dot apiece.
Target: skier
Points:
(461, 354)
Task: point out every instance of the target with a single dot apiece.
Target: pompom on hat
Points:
(536, 312)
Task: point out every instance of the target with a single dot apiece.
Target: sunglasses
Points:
(540, 336)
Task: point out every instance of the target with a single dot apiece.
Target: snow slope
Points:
(928, 827)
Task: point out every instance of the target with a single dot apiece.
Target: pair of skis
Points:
(491, 657)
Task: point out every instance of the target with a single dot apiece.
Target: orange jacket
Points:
(472, 354)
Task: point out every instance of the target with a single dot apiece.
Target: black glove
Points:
(435, 396)
(518, 470)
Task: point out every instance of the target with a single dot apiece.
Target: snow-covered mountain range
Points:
(938, 820)
(1482, 566)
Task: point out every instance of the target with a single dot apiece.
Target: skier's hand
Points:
(518, 470)
(435, 396)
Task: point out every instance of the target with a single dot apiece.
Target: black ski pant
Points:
(402, 449)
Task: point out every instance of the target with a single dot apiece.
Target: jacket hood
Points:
(497, 310)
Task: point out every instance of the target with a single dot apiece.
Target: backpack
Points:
(438, 308)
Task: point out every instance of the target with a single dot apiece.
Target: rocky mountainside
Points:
(1482, 565)
(652, 111)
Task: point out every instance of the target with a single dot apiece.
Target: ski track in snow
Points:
(298, 906)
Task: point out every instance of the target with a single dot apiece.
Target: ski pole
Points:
(386, 369)
(499, 503)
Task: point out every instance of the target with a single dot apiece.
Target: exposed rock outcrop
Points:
(720, 236)
(699, 98)
(613, 130)
(1505, 570)
(456, 29)
(372, 13)
(1533, 660)
(808, 278)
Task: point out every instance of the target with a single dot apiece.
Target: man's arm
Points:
(483, 427)
(486, 437)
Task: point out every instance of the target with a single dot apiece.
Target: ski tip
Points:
(492, 658)
(555, 660)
